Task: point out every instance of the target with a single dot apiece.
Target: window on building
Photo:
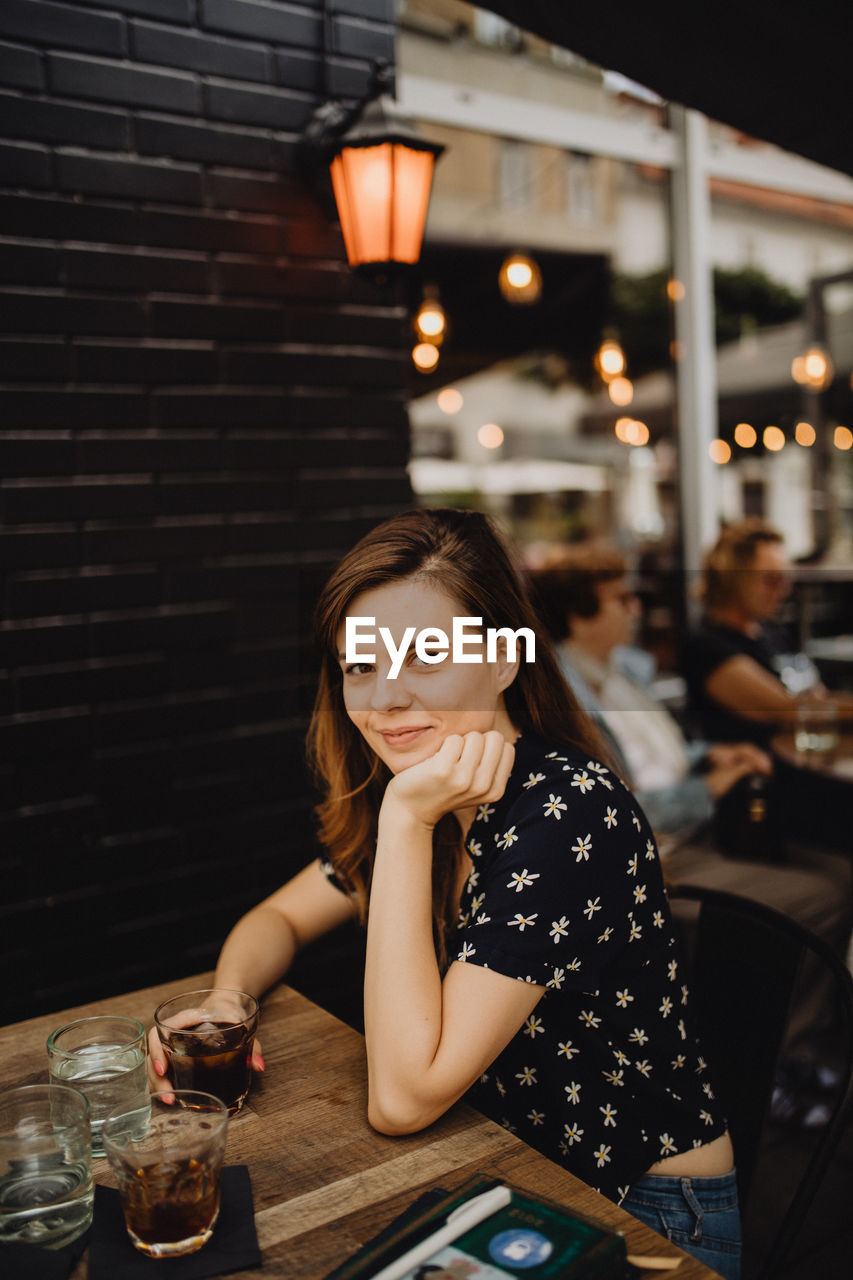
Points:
(581, 189)
(515, 174)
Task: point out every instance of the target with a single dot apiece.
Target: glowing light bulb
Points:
(425, 356)
(621, 391)
(490, 435)
(842, 438)
(773, 438)
(745, 435)
(805, 434)
(719, 451)
(449, 400)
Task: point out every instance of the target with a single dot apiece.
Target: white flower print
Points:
(583, 781)
(682, 1030)
(484, 812)
(678, 1061)
(533, 1026)
(605, 937)
(521, 879)
(706, 1117)
(573, 1133)
(667, 1144)
(574, 966)
(639, 893)
(573, 1092)
(474, 848)
(636, 931)
(650, 851)
(672, 969)
(609, 1115)
(644, 1067)
(466, 952)
(532, 779)
(602, 1156)
(665, 1007)
(559, 929)
(556, 982)
(477, 902)
(592, 905)
(536, 1117)
(635, 820)
(583, 846)
(567, 1050)
(684, 995)
(554, 806)
(610, 818)
(657, 919)
(638, 1036)
(522, 921)
(527, 1075)
(623, 998)
(589, 1018)
(622, 1058)
(708, 1091)
(482, 918)
(614, 1077)
(473, 878)
(500, 1086)
(600, 772)
(555, 755)
(508, 838)
(632, 865)
(701, 1065)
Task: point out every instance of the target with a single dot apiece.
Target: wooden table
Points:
(324, 1182)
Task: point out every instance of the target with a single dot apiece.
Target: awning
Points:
(778, 70)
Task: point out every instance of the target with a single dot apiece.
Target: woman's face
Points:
(765, 584)
(406, 719)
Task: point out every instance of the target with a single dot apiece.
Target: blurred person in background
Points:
(591, 609)
(732, 660)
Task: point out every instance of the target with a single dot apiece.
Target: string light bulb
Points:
(431, 320)
(519, 279)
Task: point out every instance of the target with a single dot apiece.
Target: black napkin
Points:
(232, 1247)
(30, 1262)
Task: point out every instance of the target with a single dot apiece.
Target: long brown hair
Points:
(461, 554)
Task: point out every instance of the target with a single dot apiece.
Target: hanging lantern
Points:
(382, 176)
(381, 170)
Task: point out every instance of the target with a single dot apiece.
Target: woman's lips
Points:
(403, 737)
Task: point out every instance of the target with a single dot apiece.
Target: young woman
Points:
(519, 949)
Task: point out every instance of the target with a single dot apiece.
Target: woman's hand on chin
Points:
(468, 769)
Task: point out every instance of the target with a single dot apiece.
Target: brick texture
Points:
(202, 409)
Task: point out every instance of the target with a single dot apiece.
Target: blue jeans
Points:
(700, 1215)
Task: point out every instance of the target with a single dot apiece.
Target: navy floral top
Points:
(606, 1075)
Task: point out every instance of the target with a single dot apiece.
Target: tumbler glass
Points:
(103, 1057)
(207, 1037)
(46, 1188)
(167, 1158)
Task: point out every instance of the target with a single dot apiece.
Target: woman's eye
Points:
(358, 669)
(417, 661)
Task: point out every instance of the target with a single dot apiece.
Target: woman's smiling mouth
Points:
(403, 736)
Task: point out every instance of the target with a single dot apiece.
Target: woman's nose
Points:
(388, 694)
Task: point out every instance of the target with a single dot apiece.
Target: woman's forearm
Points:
(257, 952)
(403, 991)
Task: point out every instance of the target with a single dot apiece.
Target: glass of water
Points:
(46, 1188)
(103, 1057)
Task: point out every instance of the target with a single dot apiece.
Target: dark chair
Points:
(745, 959)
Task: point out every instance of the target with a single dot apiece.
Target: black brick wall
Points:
(201, 409)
